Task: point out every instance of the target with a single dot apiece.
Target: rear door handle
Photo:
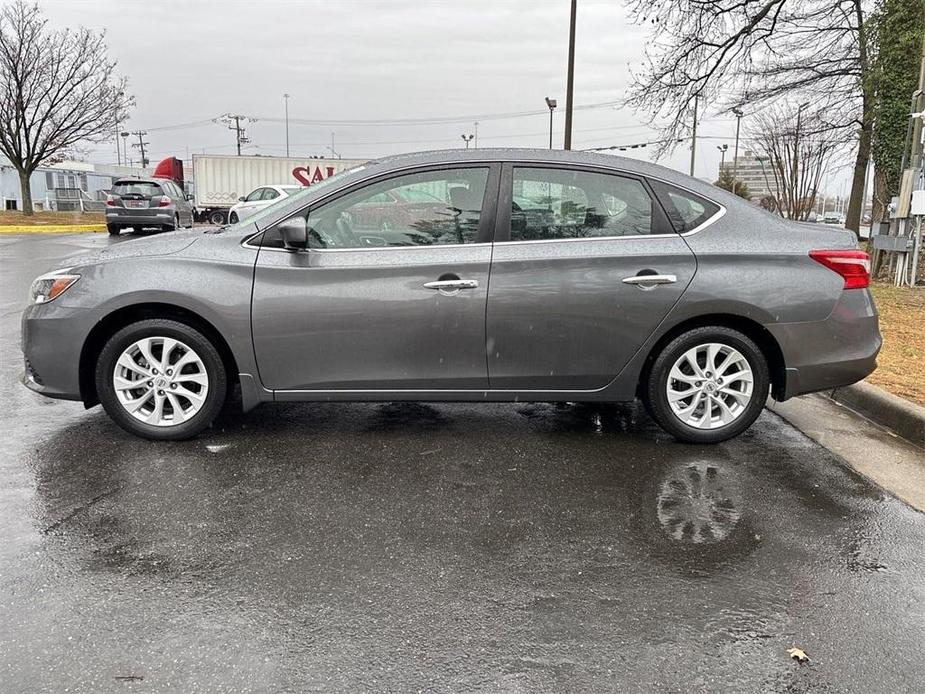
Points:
(452, 285)
(650, 279)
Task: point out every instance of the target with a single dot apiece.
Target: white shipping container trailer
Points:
(220, 180)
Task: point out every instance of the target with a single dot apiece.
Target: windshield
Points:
(293, 195)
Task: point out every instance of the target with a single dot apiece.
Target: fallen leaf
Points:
(798, 654)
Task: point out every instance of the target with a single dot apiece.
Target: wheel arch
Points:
(126, 315)
(751, 328)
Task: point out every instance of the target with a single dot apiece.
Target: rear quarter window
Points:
(686, 210)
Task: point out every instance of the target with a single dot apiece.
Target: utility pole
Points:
(286, 97)
(476, 143)
(694, 134)
(571, 77)
(140, 134)
(233, 122)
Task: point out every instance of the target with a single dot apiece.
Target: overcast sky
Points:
(189, 61)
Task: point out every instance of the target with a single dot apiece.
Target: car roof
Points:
(554, 156)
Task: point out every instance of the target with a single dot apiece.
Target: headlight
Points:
(49, 287)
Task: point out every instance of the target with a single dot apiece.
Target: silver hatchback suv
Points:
(147, 202)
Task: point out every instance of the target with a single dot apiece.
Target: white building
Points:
(69, 185)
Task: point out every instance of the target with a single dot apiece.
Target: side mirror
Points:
(294, 232)
(189, 198)
(241, 199)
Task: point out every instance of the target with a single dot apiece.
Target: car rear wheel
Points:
(161, 379)
(707, 385)
(174, 226)
(113, 229)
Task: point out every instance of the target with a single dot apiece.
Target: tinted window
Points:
(567, 204)
(269, 194)
(136, 189)
(421, 209)
(686, 210)
(254, 195)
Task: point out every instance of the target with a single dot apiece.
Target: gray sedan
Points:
(483, 275)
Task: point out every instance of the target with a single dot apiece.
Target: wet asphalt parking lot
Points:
(407, 547)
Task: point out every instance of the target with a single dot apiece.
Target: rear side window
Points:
(136, 189)
(549, 204)
(685, 210)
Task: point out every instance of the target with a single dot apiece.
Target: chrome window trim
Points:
(371, 248)
(488, 161)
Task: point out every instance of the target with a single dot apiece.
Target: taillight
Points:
(110, 201)
(853, 266)
(164, 201)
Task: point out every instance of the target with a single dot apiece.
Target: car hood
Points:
(160, 245)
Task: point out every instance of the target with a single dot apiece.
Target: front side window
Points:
(421, 209)
(550, 204)
(254, 195)
(686, 210)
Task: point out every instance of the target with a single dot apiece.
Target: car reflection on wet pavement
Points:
(403, 546)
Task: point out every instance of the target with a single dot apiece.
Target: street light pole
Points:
(286, 99)
(571, 77)
(467, 139)
(735, 153)
(722, 156)
(794, 193)
(551, 103)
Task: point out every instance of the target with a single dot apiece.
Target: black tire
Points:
(233, 218)
(174, 226)
(113, 229)
(217, 217)
(212, 361)
(655, 396)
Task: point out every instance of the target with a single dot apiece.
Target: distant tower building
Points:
(750, 170)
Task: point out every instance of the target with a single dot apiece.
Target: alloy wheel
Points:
(160, 381)
(710, 386)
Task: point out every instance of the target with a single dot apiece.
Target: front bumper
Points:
(837, 351)
(52, 339)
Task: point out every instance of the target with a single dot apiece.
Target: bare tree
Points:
(57, 89)
(726, 52)
(794, 150)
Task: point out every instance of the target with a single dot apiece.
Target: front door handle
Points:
(452, 285)
(650, 279)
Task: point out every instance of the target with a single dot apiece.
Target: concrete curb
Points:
(52, 229)
(905, 418)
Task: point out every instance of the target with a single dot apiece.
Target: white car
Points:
(257, 199)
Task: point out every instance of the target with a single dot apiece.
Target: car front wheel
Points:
(707, 385)
(161, 379)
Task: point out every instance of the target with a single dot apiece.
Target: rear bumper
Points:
(837, 351)
(149, 216)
